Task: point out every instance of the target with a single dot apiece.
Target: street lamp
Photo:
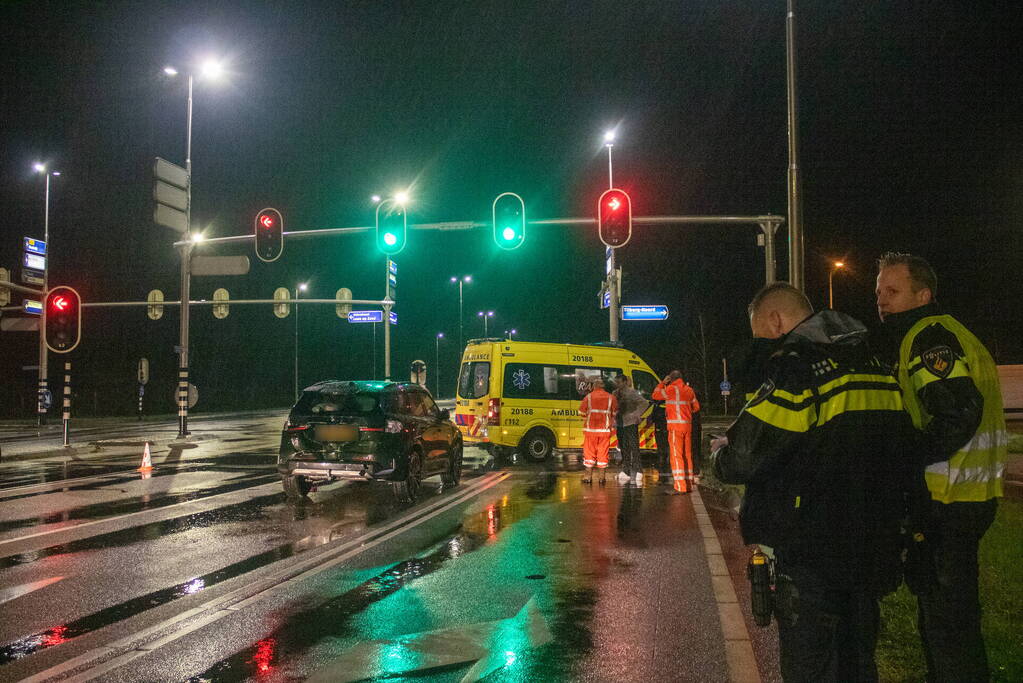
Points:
(831, 294)
(436, 366)
(209, 69)
(486, 316)
(301, 287)
(460, 280)
(510, 333)
(40, 167)
(609, 142)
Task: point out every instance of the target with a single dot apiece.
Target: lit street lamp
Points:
(43, 357)
(510, 333)
(209, 69)
(301, 287)
(460, 281)
(436, 367)
(831, 294)
(486, 316)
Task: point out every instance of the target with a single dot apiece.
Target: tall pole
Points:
(186, 257)
(43, 356)
(295, 392)
(612, 276)
(387, 342)
(461, 342)
(796, 269)
(436, 367)
(831, 292)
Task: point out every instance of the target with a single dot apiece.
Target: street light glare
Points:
(401, 197)
(302, 286)
(440, 335)
(609, 136)
(39, 167)
(170, 71)
(197, 237)
(467, 278)
(212, 69)
(839, 264)
(375, 199)
(55, 173)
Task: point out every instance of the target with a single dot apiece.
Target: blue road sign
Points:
(34, 246)
(392, 267)
(606, 302)
(30, 306)
(394, 318)
(366, 316)
(726, 387)
(644, 312)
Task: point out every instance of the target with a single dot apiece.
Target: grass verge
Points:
(899, 655)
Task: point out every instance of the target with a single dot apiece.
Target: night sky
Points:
(911, 131)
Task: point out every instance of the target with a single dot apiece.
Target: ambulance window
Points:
(644, 382)
(530, 380)
(474, 381)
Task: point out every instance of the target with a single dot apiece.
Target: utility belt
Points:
(771, 594)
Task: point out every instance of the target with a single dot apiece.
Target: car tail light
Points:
(393, 427)
(494, 411)
(288, 427)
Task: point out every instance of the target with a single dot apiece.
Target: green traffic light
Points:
(390, 239)
(508, 234)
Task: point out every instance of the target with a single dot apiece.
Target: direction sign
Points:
(644, 312)
(174, 197)
(171, 218)
(170, 173)
(605, 301)
(34, 246)
(220, 265)
(31, 277)
(392, 267)
(393, 317)
(171, 194)
(366, 317)
(30, 306)
(34, 261)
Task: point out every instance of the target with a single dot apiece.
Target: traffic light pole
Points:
(43, 356)
(186, 259)
(612, 288)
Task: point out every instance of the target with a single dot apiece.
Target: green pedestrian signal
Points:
(509, 221)
(392, 225)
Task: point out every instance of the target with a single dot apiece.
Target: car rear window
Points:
(474, 380)
(340, 403)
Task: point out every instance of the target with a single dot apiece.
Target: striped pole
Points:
(183, 402)
(41, 400)
(67, 403)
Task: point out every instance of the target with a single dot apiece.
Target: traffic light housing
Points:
(269, 231)
(392, 226)
(614, 217)
(62, 319)
(509, 221)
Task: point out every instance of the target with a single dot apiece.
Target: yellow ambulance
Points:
(518, 395)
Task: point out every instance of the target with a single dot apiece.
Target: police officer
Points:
(950, 387)
(818, 448)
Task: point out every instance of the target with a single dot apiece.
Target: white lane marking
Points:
(167, 631)
(107, 520)
(8, 594)
(742, 663)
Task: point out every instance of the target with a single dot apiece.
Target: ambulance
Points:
(524, 396)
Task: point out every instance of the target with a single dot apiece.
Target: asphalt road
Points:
(201, 570)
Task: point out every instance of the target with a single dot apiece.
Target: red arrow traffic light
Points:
(62, 319)
(269, 235)
(614, 217)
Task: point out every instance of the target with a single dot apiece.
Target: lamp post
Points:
(510, 333)
(460, 280)
(831, 293)
(436, 366)
(301, 287)
(43, 356)
(486, 316)
(210, 69)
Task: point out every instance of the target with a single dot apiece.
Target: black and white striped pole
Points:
(67, 403)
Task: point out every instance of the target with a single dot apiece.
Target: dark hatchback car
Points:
(383, 431)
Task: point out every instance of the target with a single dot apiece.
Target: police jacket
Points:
(821, 450)
(950, 387)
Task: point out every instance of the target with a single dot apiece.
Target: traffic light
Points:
(269, 234)
(62, 318)
(614, 217)
(509, 220)
(392, 225)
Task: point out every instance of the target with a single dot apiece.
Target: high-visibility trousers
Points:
(595, 447)
(680, 443)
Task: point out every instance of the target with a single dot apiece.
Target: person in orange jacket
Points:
(679, 405)
(597, 409)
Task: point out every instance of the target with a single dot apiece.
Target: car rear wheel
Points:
(453, 474)
(537, 444)
(407, 490)
(295, 486)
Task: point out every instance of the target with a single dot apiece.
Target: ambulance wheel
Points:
(537, 444)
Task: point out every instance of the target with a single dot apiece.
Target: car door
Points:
(427, 431)
(439, 435)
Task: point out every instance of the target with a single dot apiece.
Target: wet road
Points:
(202, 571)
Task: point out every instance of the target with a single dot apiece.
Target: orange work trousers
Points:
(681, 454)
(595, 447)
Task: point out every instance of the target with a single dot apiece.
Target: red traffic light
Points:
(614, 217)
(269, 234)
(62, 319)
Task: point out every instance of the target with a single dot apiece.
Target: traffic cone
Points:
(147, 460)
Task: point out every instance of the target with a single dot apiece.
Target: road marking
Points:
(8, 594)
(75, 527)
(160, 634)
(742, 663)
(441, 648)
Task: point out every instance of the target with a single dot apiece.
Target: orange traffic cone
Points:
(147, 460)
